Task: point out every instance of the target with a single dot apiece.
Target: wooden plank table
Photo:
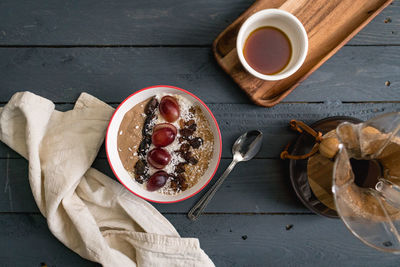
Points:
(58, 49)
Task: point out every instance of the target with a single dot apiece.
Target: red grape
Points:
(165, 125)
(157, 180)
(158, 158)
(169, 108)
(163, 137)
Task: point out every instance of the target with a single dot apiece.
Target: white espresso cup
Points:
(287, 23)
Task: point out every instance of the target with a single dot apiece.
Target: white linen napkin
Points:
(87, 211)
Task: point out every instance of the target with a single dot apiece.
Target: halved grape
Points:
(164, 125)
(158, 158)
(157, 180)
(169, 108)
(163, 137)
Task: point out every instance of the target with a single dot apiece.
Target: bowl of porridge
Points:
(163, 144)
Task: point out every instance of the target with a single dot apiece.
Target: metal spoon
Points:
(244, 149)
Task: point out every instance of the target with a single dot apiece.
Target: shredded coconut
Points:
(167, 189)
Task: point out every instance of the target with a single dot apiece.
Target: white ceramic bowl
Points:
(287, 23)
(115, 161)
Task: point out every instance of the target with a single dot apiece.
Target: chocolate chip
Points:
(144, 145)
(184, 147)
(192, 110)
(184, 186)
(189, 122)
(193, 160)
(140, 167)
(196, 142)
(244, 237)
(178, 182)
(186, 156)
(147, 127)
(180, 168)
(151, 106)
(142, 153)
(185, 132)
(192, 127)
(148, 119)
(174, 185)
(181, 179)
(141, 178)
(141, 171)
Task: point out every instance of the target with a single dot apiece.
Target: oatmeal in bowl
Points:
(163, 144)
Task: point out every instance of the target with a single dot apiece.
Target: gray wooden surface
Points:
(58, 49)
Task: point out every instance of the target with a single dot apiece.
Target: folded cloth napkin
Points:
(87, 211)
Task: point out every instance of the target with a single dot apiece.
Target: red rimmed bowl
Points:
(112, 149)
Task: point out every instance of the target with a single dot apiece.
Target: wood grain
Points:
(234, 119)
(258, 186)
(329, 26)
(270, 175)
(312, 241)
(229, 240)
(357, 73)
(152, 22)
(260, 182)
(26, 241)
(111, 74)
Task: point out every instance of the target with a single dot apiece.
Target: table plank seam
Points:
(101, 157)
(108, 46)
(151, 45)
(115, 104)
(204, 213)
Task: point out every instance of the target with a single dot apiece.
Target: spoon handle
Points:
(197, 209)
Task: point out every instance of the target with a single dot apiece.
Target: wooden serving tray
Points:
(329, 25)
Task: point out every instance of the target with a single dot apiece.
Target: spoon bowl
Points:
(244, 149)
(247, 145)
